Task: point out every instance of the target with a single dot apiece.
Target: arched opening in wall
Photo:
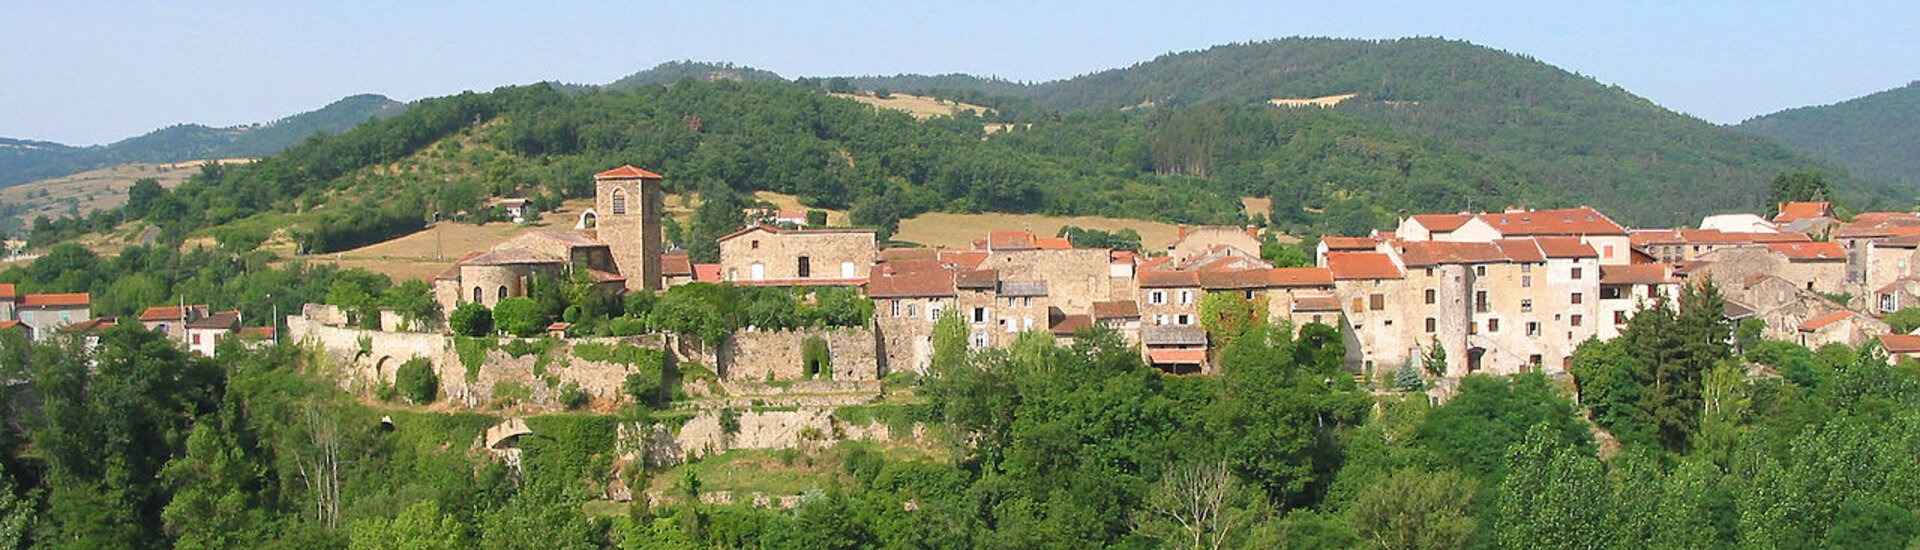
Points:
(503, 292)
(381, 367)
(1474, 356)
(588, 220)
(619, 202)
(805, 267)
(476, 294)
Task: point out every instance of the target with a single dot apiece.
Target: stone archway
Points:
(380, 367)
(588, 220)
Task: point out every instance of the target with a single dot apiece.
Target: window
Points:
(476, 294)
(1432, 324)
(1533, 328)
(1526, 281)
(1183, 319)
(979, 315)
(1249, 294)
(619, 201)
(1160, 319)
(1480, 304)
(1431, 295)
(1026, 301)
(1377, 302)
(1534, 360)
(934, 310)
(1608, 250)
(1479, 271)
(1577, 273)
(896, 307)
(1574, 320)
(1012, 327)
(846, 270)
(503, 292)
(196, 339)
(1157, 297)
(1526, 268)
(805, 267)
(979, 340)
(1493, 325)
(755, 244)
(1429, 272)
(1578, 298)
(1358, 305)
(1186, 296)
(733, 273)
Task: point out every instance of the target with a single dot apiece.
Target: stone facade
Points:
(764, 254)
(776, 354)
(626, 216)
(1193, 241)
(1734, 265)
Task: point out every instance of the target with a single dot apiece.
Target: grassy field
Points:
(85, 192)
(425, 253)
(944, 230)
(920, 107)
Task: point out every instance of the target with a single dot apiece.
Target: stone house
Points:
(1886, 260)
(1192, 241)
(1812, 218)
(1843, 327)
(1686, 245)
(1176, 349)
(909, 296)
(1859, 235)
(1363, 283)
(172, 320)
(1783, 305)
(45, 314)
(204, 334)
(1122, 316)
(768, 255)
(1900, 294)
(1169, 298)
(1900, 347)
(1626, 289)
(626, 216)
(1346, 244)
(1814, 266)
(1609, 240)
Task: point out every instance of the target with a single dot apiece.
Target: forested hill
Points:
(1875, 136)
(673, 71)
(23, 161)
(1568, 134)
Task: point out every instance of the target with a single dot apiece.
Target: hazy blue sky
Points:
(82, 72)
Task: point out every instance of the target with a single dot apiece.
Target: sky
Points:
(85, 72)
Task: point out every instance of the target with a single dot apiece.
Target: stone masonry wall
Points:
(776, 355)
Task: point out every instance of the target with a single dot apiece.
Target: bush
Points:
(813, 354)
(643, 386)
(520, 316)
(471, 319)
(627, 326)
(415, 381)
(729, 421)
(816, 218)
(510, 393)
(571, 396)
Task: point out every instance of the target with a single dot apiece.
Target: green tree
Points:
(471, 319)
(416, 381)
(213, 504)
(520, 316)
(1553, 496)
(420, 526)
(1798, 186)
(1903, 321)
(1200, 506)
(1228, 315)
(1415, 509)
(949, 341)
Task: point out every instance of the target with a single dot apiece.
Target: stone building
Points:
(768, 255)
(172, 320)
(204, 334)
(1191, 241)
(45, 314)
(1848, 328)
(1866, 229)
(626, 216)
(1625, 289)
(909, 296)
(1608, 239)
(1815, 266)
(1686, 245)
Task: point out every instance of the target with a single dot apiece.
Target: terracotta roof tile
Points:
(1177, 356)
(1299, 276)
(676, 265)
(628, 172)
(512, 256)
(56, 300)
(1446, 252)
(1349, 243)
(1120, 309)
(1565, 247)
(1791, 211)
(1565, 221)
(1053, 243)
(219, 320)
(964, 259)
(257, 333)
(1169, 279)
(911, 279)
(1822, 322)
(904, 254)
(605, 276)
(1123, 256)
(7, 291)
(1900, 343)
(1242, 278)
(1441, 222)
(1347, 266)
(977, 280)
(92, 325)
(172, 313)
(1635, 274)
(706, 273)
(1071, 324)
(1016, 239)
(1813, 251)
(1521, 250)
(1316, 303)
(9, 323)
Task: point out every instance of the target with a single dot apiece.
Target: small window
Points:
(1533, 328)
(896, 307)
(1184, 319)
(1526, 281)
(1186, 296)
(1157, 297)
(1526, 305)
(1480, 302)
(1432, 324)
(1480, 271)
(755, 244)
(979, 315)
(1609, 252)
(1575, 320)
(1578, 298)
(1431, 295)
(1026, 301)
(804, 267)
(619, 201)
(1377, 302)
(847, 270)
(1534, 359)
(1493, 325)
(1577, 273)
(503, 292)
(476, 294)
(1526, 268)
(1619, 317)
(1249, 294)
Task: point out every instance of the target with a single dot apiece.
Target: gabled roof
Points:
(1900, 343)
(512, 256)
(628, 172)
(1053, 243)
(1235, 279)
(257, 333)
(778, 231)
(219, 320)
(1565, 221)
(95, 324)
(676, 265)
(1822, 322)
(1635, 274)
(7, 292)
(1683, 236)
(1071, 324)
(1565, 247)
(904, 254)
(1015, 239)
(1811, 252)
(706, 273)
(1299, 276)
(1023, 288)
(1316, 303)
(1120, 309)
(1524, 250)
(171, 313)
(1447, 252)
(977, 280)
(1441, 222)
(1348, 266)
(963, 259)
(1348, 243)
(1169, 279)
(1736, 310)
(9, 323)
(911, 279)
(56, 300)
(569, 238)
(1791, 211)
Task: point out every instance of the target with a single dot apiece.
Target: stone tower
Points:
(626, 208)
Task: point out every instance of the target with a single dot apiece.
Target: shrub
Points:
(519, 316)
(816, 218)
(415, 381)
(511, 393)
(643, 386)
(571, 396)
(471, 319)
(627, 326)
(729, 421)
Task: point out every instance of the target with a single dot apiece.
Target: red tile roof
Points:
(1235, 279)
(1791, 211)
(1822, 322)
(257, 333)
(1895, 343)
(984, 278)
(1348, 243)
(1635, 274)
(628, 172)
(1441, 222)
(1316, 303)
(1016, 239)
(512, 256)
(1565, 221)
(1155, 263)
(1116, 310)
(1071, 324)
(171, 313)
(1445, 252)
(915, 278)
(9, 323)
(219, 320)
(1347, 266)
(7, 291)
(1123, 256)
(778, 231)
(91, 325)
(963, 259)
(1565, 247)
(56, 300)
(1647, 237)
(1053, 243)
(1521, 250)
(706, 273)
(904, 254)
(672, 265)
(1169, 279)
(1177, 356)
(1814, 251)
(1299, 276)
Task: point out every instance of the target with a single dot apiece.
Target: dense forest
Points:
(1874, 136)
(24, 161)
(139, 445)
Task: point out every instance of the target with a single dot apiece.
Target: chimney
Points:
(1253, 231)
(1182, 234)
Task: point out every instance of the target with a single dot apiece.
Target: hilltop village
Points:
(1517, 290)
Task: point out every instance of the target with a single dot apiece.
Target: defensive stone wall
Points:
(777, 354)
